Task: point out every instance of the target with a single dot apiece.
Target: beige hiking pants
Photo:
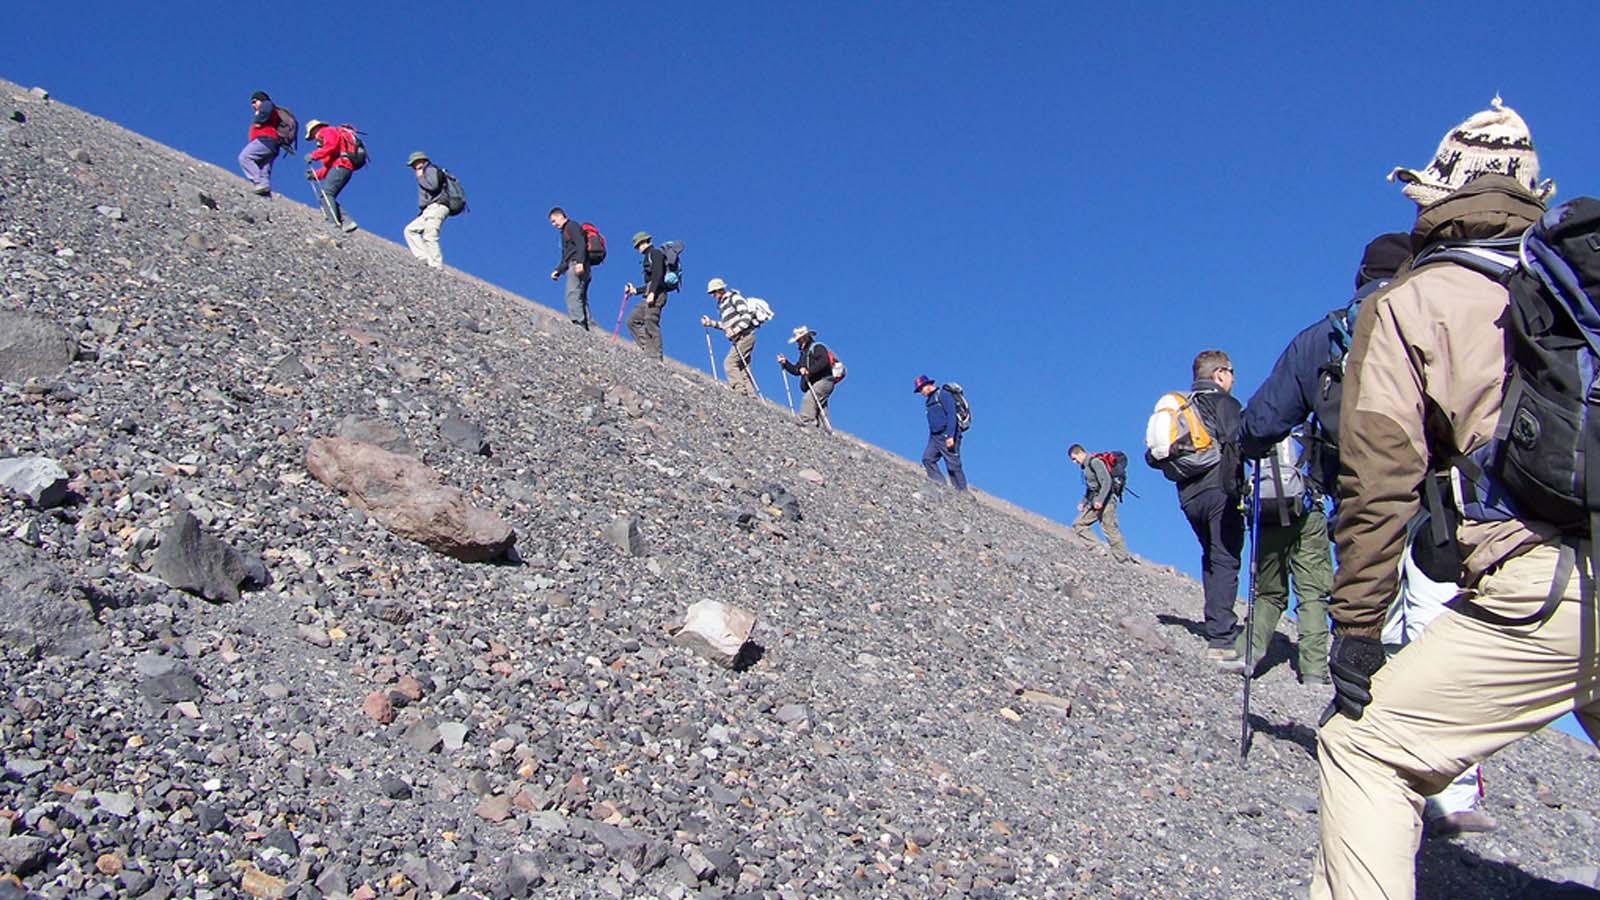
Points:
(422, 235)
(736, 365)
(1459, 693)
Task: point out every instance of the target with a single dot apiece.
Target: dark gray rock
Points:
(209, 818)
(25, 854)
(45, 613)
(163, 679)
(394, 787)
(33, 347)
(376, 431)
(462, 434)
(191, 560)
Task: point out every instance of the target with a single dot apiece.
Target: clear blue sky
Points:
(1055, 204)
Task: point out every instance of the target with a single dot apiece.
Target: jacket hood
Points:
(1488, 207)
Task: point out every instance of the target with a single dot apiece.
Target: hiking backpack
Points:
(760, 310)
(963, 410)
(455, 199)
(1544, 460)
(835, 366)
(1177, 441)
(358, 147)
(673, 251)
(288, 128)
(1283, 484)
(1117, 465)
(594, 244)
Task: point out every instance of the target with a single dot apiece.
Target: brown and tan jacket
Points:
(1425, 373)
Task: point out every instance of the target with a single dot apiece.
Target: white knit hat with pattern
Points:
(1493, 142)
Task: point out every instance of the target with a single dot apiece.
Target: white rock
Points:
(39, 479)
(716, 630)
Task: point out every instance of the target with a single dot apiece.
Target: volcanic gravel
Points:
(945, 696)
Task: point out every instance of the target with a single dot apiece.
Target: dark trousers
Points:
(338, 177)
(1219, 526)
(936, 451)
(644, 323)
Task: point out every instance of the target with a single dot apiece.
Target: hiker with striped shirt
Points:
(738, 323)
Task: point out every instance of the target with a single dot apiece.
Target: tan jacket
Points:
(1423, 382)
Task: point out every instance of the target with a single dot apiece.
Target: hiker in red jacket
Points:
(335, 150)
(257, 156)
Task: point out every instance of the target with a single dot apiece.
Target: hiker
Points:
(262, 148)
(1209, 482)
(433, 201)
(644, 323)
(575, 263)
(1423, 395)
(738, 323)
(1305, 381)
(944, 433)
(1099, 503)
(814, 367)
(1291, 540)
(335, 150)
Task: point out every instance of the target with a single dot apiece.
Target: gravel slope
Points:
(548, 737)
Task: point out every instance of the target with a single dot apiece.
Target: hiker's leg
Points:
(1113, 531)
(432, 220)
(1311, 563)
(952, 462)
(577, 299)
(644, 323)
(1219, 525)
(737, 363)
(931, 456)
(1272, 583)
(331, 186)
(1083, 525)
(255, 160)
(808, 409)
(822, 390)
(1459, 693)
(413, 235)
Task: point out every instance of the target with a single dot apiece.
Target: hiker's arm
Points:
(325, 152)
(432, 184)
(1283, 400)
(264, 114)
(817, 367)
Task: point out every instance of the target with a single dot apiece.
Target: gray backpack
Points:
(1283, 485)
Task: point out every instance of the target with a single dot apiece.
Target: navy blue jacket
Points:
(1290, 394)
(941, 414)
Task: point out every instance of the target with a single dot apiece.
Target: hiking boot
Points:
(349, 226)
(1227, 659)
(261, 190)
(1468, 821)
(1315, 680)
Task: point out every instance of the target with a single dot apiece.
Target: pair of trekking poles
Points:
(711, 357)
(1250, 602)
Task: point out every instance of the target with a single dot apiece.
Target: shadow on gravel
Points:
(1303, 736)
(1189, 625)
(1279, 651)
(1448, 870)
(749, 655)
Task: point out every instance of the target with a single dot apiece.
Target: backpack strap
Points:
(1565, 563)
(1496, 259)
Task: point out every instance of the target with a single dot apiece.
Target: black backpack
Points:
(455, 199)
(1117, 466)
(673, 251)
(963, 411)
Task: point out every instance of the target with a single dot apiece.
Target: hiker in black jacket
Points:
(1210, 502)
(575, 263)
(815, 369)
(644, 323)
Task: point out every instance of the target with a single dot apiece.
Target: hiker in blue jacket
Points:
(1305, 380)
(944, 434)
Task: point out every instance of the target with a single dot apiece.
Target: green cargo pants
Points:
(1300, 549)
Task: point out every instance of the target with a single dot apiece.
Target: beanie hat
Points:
(1493, 142)
(260, 95)
(1384, 256)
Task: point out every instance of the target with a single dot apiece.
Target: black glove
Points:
(310, 175)
(1352, 662)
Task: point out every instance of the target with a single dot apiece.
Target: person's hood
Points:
(1488, 207)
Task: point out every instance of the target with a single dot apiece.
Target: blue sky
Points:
(1056, 205)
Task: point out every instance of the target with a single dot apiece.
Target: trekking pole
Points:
(822, 410)
(790, 394)
(618, 330)
(752, 376)
(711, 354)
(1250, 615)
(322, 198)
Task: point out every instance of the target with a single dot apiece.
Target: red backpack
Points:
(594, 244)
(1117, 466)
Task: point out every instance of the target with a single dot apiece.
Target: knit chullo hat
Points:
(1493, 142)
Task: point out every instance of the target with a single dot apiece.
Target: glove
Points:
(308, 158)
(310, 175)
(1352, 661)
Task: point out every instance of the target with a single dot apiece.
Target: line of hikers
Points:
(340, 152)
(1450, 412)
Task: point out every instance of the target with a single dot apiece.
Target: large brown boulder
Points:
(409, 499)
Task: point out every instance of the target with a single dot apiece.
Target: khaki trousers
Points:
(1107, 517)
(422, 234)
(736, 365)
(1457, 694)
